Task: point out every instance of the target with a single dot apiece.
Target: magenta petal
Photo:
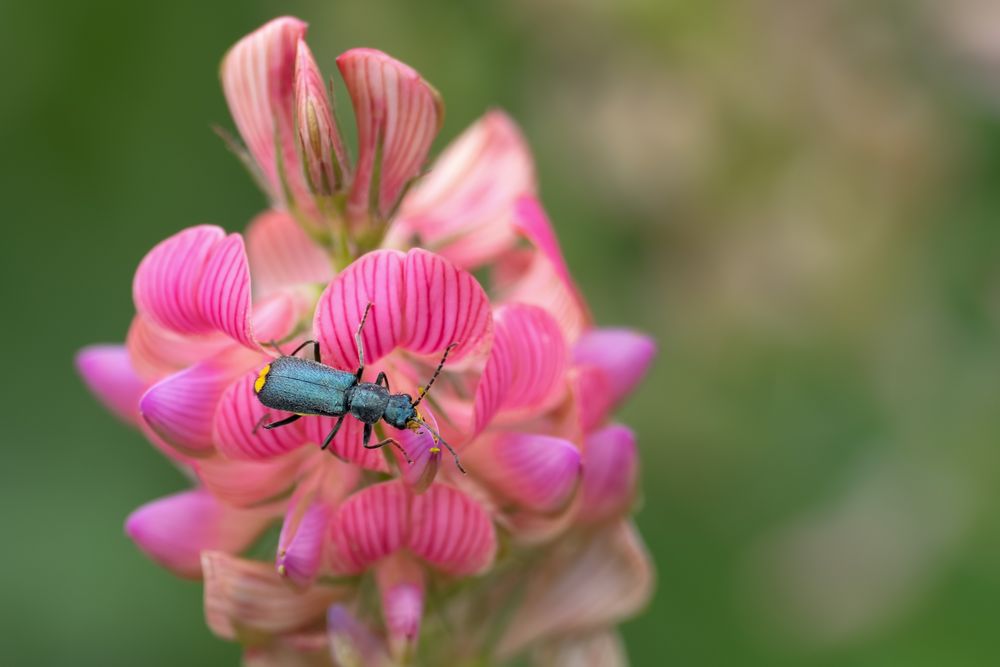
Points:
(403, 609)
(452, 532)
(368, 526)
(623, 355)
(464, 207)
(181, 407)
(236, 415)
(537, 472)
(258, 81)
(375, 278)
(108, 373)
(282, 254)
(398, 114)
(442, 305)
(348, 442)
(174, 530)
(611, 466)
(156, 352)
(425, 454)
(526, 365)
(302, 539)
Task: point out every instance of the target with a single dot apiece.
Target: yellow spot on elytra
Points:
(261, 379)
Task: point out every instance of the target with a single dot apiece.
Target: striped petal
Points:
(258, 81)
(243, 597)
(398, 114)
(197, 282)
(174, 530)
(156, 352)
(526, 365)
(464, 208)
(236, 416)
(347, 444)
(323, 155)
(582, 587)
(369, 526)
(622, 355)
(544, 280)
(181, 407)
(282, 254)
(248, 483)
(451, 532)
(110, 376)
(537, 472)
(610, 470)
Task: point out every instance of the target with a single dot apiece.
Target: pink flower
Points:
(525, 397)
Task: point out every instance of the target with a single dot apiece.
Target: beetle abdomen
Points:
(304, 387)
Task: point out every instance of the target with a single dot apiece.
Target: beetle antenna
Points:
(437, 436)
(437, 371)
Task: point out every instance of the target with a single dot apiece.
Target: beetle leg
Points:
(315, 344)
(382, 380)
(282, 422)
(333, 432)
(394, 443)
(360, 344)
(368, 435)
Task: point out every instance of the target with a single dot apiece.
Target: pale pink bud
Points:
(323, 157)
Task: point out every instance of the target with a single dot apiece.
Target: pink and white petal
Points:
(536, 472)
(258, 81)
(610, 471)
(108, 373)
(401, 585)
(526, 365)
(451, 532)
(174, 530)
(622, 354)
(347, 444)
(282, 254)
(582, 587)
(323, 154)
(243, 597)
(602, 649)
(370, 525)
(276, 316)
(224, 291)
(249, 483)
(398, 114)
(236, 416)
(375, 278)
(181, 407)
(302, 540)
(442, 305)
(463, 209)
(156, 352)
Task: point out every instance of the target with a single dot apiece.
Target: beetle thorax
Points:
(368, 401)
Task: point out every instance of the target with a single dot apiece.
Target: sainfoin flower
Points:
(357, 556)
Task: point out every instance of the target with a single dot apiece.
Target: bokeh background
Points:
(800, 200)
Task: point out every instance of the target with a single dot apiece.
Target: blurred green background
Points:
(800, 200)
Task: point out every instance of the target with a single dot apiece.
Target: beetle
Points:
(309, 387)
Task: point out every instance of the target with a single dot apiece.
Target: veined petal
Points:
(526, 365)
(368, 526)
(398, 114)
(424, 452)
(302, 540)
(464, 207)
(236, 416)
(258, 81)
(243, 596)
(347, 444)
(282, 254)
(323, 155)
(197, 282)
(602, 649)
(248, 483)
(582, 588)
(451, 532)
(174, 530)
(545, 279)
(109, 374)
(610, 470)
(537, 472)
(181, 407)
(156, 352)
(624, 356)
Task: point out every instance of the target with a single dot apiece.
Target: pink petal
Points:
(247, 483)
(451, 532)
(582, 587)
(611, 466)
(302, 539)
(401, 584)
(353, 644)
(463, 209)
(197, 282)
(243, 596)
(368, 526)
(545, 280)
(623, 355)
(398, 114)
(236, 415)
(376, 278)
(526, 365)
(424, 451)
(282, 254)
(258, 81)
(603, 649)
(323, 154)
(156, 352)
(347, 444)
(108, 373)
(181, 407)
(174, 530)
(537, 472)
